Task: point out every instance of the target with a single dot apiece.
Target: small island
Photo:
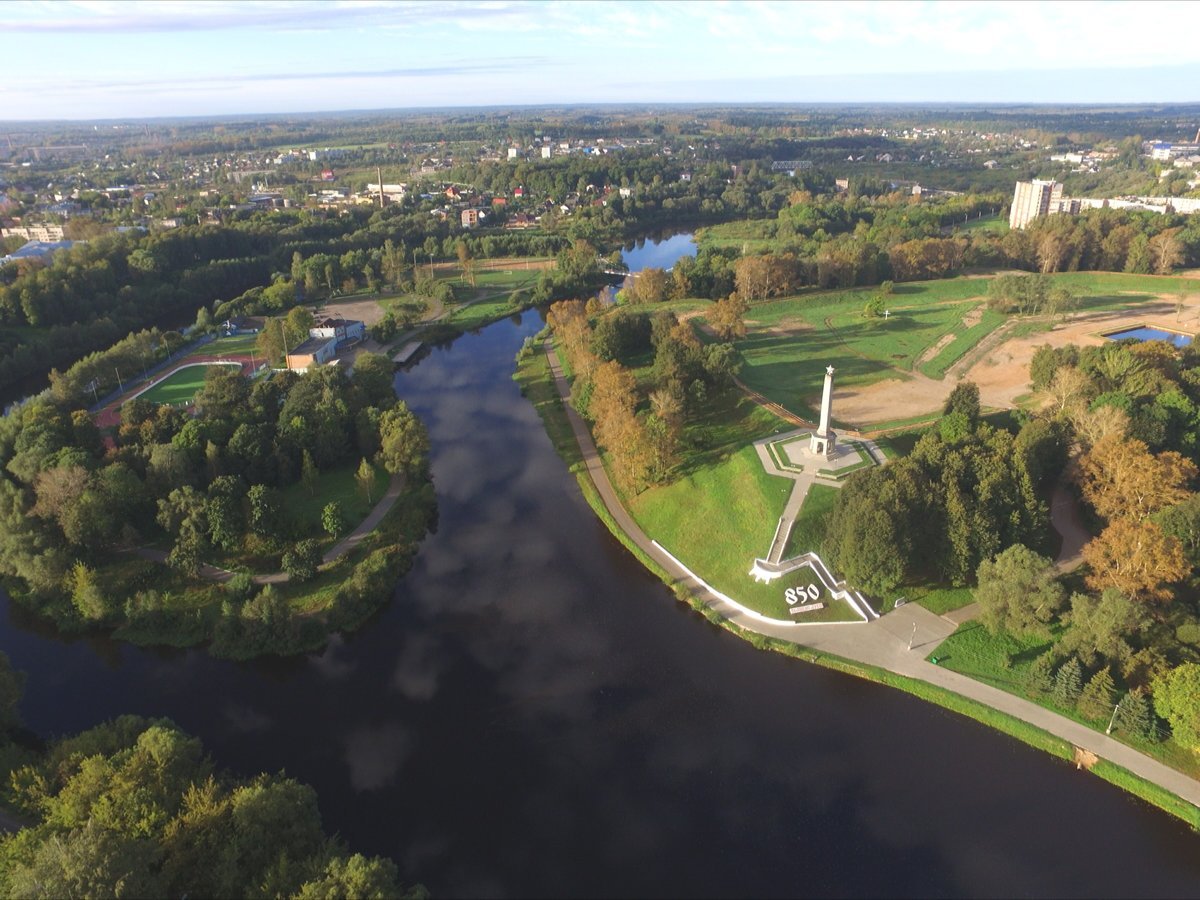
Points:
(253, 509)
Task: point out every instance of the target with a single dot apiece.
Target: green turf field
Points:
(178, 387)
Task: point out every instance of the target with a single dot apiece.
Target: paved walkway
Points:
(340, 549)
(884, 642)
(1065, 517)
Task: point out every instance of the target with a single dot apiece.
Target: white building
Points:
(1032, 199)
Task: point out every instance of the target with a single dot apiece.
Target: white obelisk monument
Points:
(822, 441)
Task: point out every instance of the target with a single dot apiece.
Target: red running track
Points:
(110, 415)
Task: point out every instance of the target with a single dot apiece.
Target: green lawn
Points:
(998, 660)
(964, 341)
(788, 365)
(477, 315)
(809, 527)
(998, 224)
(304, 509)
(790, 341)
(238, 343)
(718, 518)
(178, 387)
(938, 599)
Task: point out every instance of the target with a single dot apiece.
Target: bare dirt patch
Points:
(1002, 369)
(366, 310)
(930, 352)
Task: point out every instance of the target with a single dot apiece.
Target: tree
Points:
(265, 513)
(1122, 477)
(1018, 592)
(1182, 522)
(1099, 626)
(403, 442)
(1177, 699)
(86, 594)
(727, 317)
(1069, 390)
(1136, 558)
(964, 399)
(310, 476)
(1039, 677)
(1068, 684)
(373, 376)
(302, 560)
(360, 877)
(1165, 250)
(465, 261)
(296, 325)
(364, 480)
(1096, 699)
(333, 520)
(649, 286)
(1134, 716)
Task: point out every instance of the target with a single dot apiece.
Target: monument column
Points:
(822, 442)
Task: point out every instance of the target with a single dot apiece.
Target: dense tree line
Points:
(640, 428)
(1122, 637)
(135, 808)
(967, 491)
(206, 482)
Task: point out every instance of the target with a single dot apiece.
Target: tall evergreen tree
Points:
(1068, 684)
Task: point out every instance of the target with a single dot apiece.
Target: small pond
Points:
(1145, 333)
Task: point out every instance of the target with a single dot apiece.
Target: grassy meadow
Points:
(931, 325)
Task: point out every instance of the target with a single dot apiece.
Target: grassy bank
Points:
(730, 478)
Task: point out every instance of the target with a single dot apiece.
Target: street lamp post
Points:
(120, 383)
(912, 636)
(1113, 719)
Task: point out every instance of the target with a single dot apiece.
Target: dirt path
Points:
(999, 364)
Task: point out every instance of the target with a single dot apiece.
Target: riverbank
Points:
(878, 651)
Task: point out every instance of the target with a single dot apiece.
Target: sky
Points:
(100, 59)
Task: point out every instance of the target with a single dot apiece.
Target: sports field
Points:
(178, 387)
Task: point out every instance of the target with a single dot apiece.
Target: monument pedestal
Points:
(823, 439)
(822, 444)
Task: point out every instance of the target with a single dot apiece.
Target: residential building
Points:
(1032, 199)
(34, 232)
(472, 217)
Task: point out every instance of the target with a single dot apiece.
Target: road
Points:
(897, 642)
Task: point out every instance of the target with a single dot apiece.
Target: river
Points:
(535, 715)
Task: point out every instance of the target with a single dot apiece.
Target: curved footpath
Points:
(883, 642)
(340, 549)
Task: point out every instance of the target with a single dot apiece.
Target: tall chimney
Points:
(379, 174)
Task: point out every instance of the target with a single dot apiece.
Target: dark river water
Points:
(535, 715)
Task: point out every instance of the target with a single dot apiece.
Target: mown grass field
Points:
(179, 387)
(234, 344)
(809, 527)
(718, 520)
(790, 341)
(997, 224)
(304, 509)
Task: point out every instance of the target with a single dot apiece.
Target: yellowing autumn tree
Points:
(1135, 557)
(727, 317)
(1122, 478)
